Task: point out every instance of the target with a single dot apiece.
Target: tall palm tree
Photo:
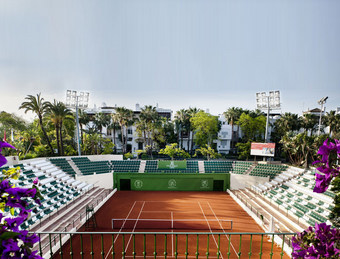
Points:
(182, 117)
(58, 113)
(101, 120)
(287, 122)
(309, 122)
(191, 112)
(114, 126)
(232, 115)
(83, 120)
(332, 120)
(39, 107)
(125, 118)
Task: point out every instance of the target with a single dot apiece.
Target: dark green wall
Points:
(171, 182)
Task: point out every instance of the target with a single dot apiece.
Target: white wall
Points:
(100, 180)
(105, 157)
(12, 160)
(238, 181)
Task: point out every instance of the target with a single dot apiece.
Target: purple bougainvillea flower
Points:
(5, 144)
(22, 192)
(14, 223)
(322, 182)
(36, 180)
(3, 160)
(4, 185)
(325, 150)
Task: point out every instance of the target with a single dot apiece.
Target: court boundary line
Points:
(121, 229)
(134, 227)
(210, 230)
(222, 228)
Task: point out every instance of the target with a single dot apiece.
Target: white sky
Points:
(210, 54)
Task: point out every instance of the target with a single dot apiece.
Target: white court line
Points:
(209, 228)
(222, 228)
(134, 227)
(121, 229)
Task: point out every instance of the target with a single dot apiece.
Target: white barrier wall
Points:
(238, 181)
(100, 180)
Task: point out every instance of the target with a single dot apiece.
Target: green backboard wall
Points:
(172, 164)
(171, 182)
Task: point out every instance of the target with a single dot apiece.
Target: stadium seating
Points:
(296, 195)
(125, 166)
(241, 167)
(264, 170)
(87, 167)
(152, 167)
(63, 165)
(218, 166)
(55, 186)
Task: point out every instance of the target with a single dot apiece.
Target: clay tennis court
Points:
(172, 212)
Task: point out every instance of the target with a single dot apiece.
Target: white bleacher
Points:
(297, 196)
(76, 183)
(55, 173)
(47, 167)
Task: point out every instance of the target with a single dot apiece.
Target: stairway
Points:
(201, 167)
(142, 166)
(74, 167)
(250, 169)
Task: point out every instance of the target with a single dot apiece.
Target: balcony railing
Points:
(164, 244)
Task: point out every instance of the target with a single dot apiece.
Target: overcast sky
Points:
(210, 54)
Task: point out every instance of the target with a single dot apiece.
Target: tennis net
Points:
(180, 224)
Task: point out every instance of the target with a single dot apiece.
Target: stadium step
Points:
(142, 166)
(74, 167)
(201, 167)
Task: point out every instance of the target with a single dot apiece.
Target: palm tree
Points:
(191, 113)
(332, 120)
(287, 122)
(125, 118)
(309, 122)
(232, 115)
(101, 120)
(39, 107)
(58, 113)
(182, 117)
(83, 120)
(113, 126)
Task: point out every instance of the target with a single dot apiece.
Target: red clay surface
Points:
(205, 207)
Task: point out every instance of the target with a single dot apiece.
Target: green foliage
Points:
(128, 155)
(252, 128)
(41, 150)
(206, 127)
(244, 150)
(301, 148)
(207, 152)
(334, 216)
(172, 151)
(107, 146)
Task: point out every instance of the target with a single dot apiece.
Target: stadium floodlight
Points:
(321, 102)
(268, 102)
(75, 101)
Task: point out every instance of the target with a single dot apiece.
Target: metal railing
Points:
(164, 244)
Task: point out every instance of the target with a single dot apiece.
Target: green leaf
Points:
(8, 235)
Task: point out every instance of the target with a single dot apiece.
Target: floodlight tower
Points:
(268, 102)
(80, 101)
(322, 101)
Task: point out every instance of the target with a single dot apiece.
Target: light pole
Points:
(268, 102)
(80, 101)
(322, 101)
